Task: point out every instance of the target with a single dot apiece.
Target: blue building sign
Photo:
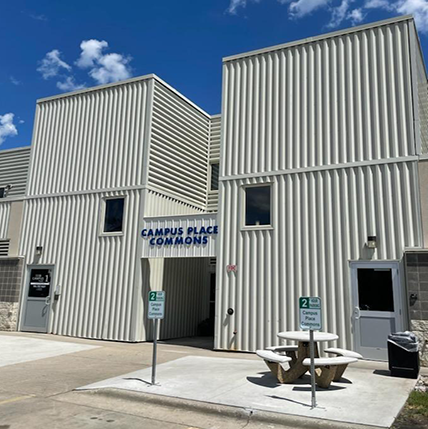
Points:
(176, 236)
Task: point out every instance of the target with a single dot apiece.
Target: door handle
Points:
(357, 313)
(48, 300)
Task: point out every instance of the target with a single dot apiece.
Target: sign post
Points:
(310, 319)
(155, 312)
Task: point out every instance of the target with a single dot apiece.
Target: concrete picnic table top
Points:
(303, 336)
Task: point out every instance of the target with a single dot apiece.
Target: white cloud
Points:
(417, 8)
(7, 127)
(52, 64)
(301, 8)
(91, 52)
(339, 13)
(15, 81)
(356, 16)
(69, 84)
(236, 4)
(111, 68)
(104, 68)
(40, 17)
(375, 4)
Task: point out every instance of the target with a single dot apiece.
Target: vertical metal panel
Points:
(300, 117)
(342, 99)
(178, 155)
(321, 221)
(420, 92)
(90, 140)
(96, 272)
(4, 218)
(214, 156)
(14, 169)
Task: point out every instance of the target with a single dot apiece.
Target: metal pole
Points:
(155, 347)
(312, 355)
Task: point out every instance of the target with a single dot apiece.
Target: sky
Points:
(52, 47)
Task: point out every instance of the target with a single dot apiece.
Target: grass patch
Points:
(418, 403)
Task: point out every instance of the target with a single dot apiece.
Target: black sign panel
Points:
(40, 283)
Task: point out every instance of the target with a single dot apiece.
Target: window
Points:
(113, 219)
(257, 205)
(215, 167)
(2, 192)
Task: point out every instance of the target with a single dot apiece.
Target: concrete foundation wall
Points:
(10, 288)
(417, 289)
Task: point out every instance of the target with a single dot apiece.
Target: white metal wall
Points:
(329, 124)
(14, 169)
(214, 156)
(96, 273)
(178, 158)
(91, 140)
(158, 204)
(4, 218)
(337, 100)
(321, 220)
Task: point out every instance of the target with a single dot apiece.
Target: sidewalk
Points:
(39, 393)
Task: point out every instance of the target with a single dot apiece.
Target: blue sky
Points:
(49, 47)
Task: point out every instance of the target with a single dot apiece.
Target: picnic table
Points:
(297, 369)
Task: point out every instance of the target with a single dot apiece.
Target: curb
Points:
(238, 413)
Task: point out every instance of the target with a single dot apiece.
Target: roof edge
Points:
(15, 149)
(96, 88)
(317, 38)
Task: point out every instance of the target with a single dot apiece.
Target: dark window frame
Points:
(249, 226)
(106, 202)
(211, 176)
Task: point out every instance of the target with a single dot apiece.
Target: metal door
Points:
(38, 299)
(376, 292)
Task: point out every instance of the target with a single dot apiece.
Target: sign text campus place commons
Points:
(180, 235)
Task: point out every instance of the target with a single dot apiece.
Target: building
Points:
(311, 182)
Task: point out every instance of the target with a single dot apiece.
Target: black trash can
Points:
(403, 355)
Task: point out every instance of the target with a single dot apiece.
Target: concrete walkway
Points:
(365, 396)
(39, 393)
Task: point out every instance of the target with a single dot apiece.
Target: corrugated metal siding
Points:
(96, 272)
(187, 286)
(157, 204)
(214, 156)
(321, 220)
(4, 218)
(14, 165)
(178, 157)
(338, 100)
(182, 250)
(92, 140)
(422, 100)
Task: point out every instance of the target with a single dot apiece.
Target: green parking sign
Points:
(310, 313)
(156, 308)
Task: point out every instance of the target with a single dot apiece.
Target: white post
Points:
(312, 355)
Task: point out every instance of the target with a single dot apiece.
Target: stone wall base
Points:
(420, 329)
(9, 316)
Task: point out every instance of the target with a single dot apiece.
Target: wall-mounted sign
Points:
(178, 236)
(310, 313)
(231, 268)
(40, 282)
